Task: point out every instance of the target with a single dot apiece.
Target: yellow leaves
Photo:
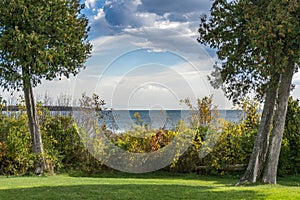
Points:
(50, 57)
(246, 16)
(272, 35)
(254, 32)
(291, 52)
(137, 115)
(281, 30)
(280, 26)
(282, 34)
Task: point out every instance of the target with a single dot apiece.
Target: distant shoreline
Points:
(77, 108)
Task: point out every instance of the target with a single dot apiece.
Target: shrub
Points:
(236, 140)
(63, 145)
(204, 132)
(15, 145)
(64, 149)
(217, 142)
(289, 161)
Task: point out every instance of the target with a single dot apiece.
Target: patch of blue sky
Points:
(140, 57)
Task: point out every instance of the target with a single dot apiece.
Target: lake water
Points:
(126, 119)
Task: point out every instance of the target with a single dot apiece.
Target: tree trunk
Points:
(270, 171)
(36, 138)
(257, 159)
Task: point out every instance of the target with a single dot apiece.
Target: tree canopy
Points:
(258, 43)
(254, 40)
(47, 39)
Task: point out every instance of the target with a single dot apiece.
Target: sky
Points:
(145, 56)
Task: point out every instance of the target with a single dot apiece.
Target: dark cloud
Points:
(177, 17)
(174, 6)
(160, 22)
(138, 13)
(121, 13)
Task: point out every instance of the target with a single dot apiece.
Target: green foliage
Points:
(63, 145)
(143, 141)
(250, 112)
(203, 123)
(274, 31)
(204, 113)
(98, 107)
(234, 147)
(258, 44)
(64, 150)
(15, 148)
(137, 117)
(226, 31)
(41, 40)
(255, 41)
(236, 141)
(289, 162)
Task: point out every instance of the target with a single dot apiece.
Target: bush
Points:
(64, 149)
(63, 145)
(204, 131)
(15, 145)
(289, 160)
(232, 146)
(237, 139)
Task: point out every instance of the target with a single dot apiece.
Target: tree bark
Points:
(36, 138)
(270, 171)
(256, 163)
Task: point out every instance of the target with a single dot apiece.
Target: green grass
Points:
(152, 186)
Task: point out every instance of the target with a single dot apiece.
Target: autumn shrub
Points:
(212, 142)
(218, 143)
(64, 146)
(190, 158)
(236, 140)
(141, 140)
(15, 144)
(203, 126)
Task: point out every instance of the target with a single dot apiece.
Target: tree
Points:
(258, 43)
(40, 40)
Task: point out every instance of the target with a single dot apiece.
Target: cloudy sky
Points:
(145, 55)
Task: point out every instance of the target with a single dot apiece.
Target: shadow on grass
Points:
(289, 181)
(127, 191)
(226, 180)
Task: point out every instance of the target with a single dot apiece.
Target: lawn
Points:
(152, 186)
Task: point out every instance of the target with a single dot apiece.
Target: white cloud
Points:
(140, 23)
(90, 3)
(121, 26)
(158, 86)
(100, 14)
(153, 87)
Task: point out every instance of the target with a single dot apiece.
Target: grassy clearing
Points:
(152, 186)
